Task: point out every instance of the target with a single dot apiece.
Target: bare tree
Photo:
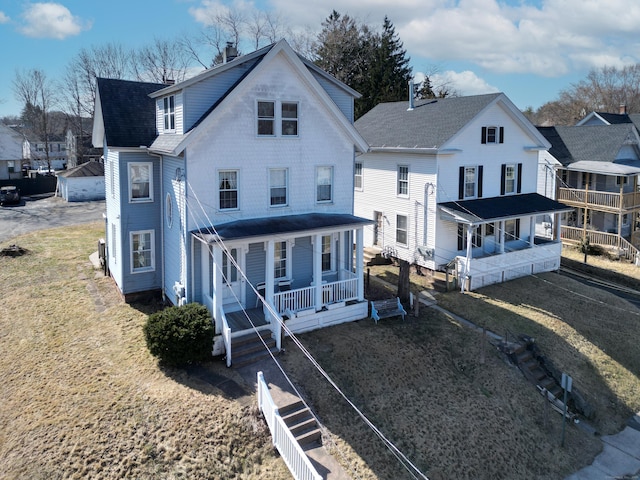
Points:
(38, 95)
(161, 61)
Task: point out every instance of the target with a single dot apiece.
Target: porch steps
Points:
(373, 256)
(301, 423)
(249, 348)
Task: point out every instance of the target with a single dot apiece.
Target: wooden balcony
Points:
(598, 200)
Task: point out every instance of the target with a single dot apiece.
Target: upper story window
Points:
(278, 179)
(228, 189)
(492, 134)
(266, 118)
(324, 184)
(142, 251)
(403, 180)
(289, 118)
(169, 113)
(511, 179)
(470, 182)
(141, 182)
(357, 176)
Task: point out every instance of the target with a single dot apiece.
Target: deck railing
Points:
(226, 335)
(624, 249)
(609, 201)
(294, 300)
(294, 457)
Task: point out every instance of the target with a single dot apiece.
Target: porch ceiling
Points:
(262, 227)
(484, 210)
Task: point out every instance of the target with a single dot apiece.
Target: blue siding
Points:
(175, 235)
(255, 269)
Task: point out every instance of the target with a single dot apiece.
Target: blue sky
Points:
(529, 49)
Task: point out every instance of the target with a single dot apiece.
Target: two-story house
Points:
(598, 178)
(451, 184)
(234, 189)
(10, 153)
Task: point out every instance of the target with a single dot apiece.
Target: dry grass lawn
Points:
(82, 398)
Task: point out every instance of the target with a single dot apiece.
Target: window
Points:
(492, 135)
(403, 180)
(476, 239)
(113, 245)
(280, 260)
(357, 176)
(228, 189)
(266, 118)
(11, 166)
(327, 265)
(324, 184)
(509, 179)
(140, 182)
(168, 210)
(229, 266)
(142, 257)
(402, 227)
(289, 118)
(278, 186)
(511, 229)
(169, 113)
(469, 182)
(622, 180)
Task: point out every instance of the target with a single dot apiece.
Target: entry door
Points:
(377, 228)
(231, 279)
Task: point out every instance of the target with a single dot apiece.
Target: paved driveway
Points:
(37, 213)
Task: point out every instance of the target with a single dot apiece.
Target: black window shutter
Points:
(503, 172)
(519, 177)
(501, 134)
(460, 236)
(484, 135)
(461, 184)
(480, 181)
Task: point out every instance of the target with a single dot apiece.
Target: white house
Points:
(234, 187)
(10, 153)
(451, 184)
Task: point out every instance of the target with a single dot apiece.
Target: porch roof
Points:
(484, 210)
(262, 227)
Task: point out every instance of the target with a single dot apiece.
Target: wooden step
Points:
(295, 416)
(306, 437)
(303, 426)
(291, 407)
(253, 357)
(250, 337)
(251, 347)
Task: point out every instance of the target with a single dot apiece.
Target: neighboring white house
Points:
(234, 183)
(82, 183)
(10, 153)
(452, 183)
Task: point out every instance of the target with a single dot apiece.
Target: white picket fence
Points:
(294, 457)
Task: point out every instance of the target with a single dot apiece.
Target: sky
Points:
(528, 49)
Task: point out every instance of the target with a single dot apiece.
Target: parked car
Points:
(9, 194)
(44, 170)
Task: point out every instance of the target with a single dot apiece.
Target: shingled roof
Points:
(428, 125)
(128, 113)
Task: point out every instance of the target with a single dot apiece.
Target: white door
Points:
(232, 294)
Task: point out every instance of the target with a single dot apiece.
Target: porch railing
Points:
(610, 201)
(294, 300)
(226, 335)
(626, 250)
(294, 457)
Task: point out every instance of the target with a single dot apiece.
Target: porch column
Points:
(342, 264)
(269, 272)
(360, 262)
(317, 270)
(557, 228)
(216, 278)
(501, 223)
(467, 260)
(532, 232)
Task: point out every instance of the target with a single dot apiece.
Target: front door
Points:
(232, 293)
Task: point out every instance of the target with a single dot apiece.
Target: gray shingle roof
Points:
(89, 169)
(128, 112)
(593, 143)
(429, 125)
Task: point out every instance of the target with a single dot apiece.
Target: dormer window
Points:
(492, 135)
(169, 113)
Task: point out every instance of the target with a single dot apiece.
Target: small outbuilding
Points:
(82, 183)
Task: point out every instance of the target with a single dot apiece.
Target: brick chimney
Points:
(622, 109)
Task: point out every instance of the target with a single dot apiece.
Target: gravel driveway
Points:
(37, 213)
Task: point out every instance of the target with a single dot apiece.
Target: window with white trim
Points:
(289, 112)
(228, 189)
(509, 178)
(357, 176)
(168, 210)
(229, 266)
(511, 229)
(403, 180)
(280, 260)
(402, 229)
(469, 182)
(492, 135)
(327, 253)
(140, 182)
(278, 180)
(324, 184)
(266, 118)
(142, 251)
(169, 112)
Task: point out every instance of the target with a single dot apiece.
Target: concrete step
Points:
(253, 357)
(309, 436)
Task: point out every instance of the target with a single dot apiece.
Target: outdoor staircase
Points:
(301, 423)
(534, 372)
(374, 256)
(249, 348)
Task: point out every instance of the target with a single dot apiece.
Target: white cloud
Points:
(3, 17)
(461, 83)
(51, 20)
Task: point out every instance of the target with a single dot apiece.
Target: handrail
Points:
(625, 249)
(226, 335)
(294, 457)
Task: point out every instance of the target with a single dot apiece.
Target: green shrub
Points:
(180, 336)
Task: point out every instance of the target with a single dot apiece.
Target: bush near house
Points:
(180, 336)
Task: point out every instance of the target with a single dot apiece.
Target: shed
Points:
(82, 183)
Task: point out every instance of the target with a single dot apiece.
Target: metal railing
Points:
(294, 457)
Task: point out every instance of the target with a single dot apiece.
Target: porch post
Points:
(467, 260)
(342, 264)
(269, 272)
(532, 232)
(317, 270)
(501, 223)
(216, 278)
(360, 262)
